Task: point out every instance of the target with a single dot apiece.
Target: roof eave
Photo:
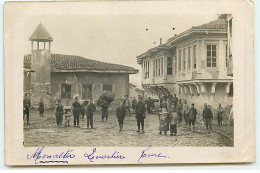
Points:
(192, 31)
(95, 71)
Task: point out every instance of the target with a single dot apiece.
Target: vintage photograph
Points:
(128, 81)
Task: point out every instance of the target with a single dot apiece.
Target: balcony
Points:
(230, 66)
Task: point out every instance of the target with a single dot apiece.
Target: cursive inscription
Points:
(146, 154)
(40, 157)
(92, 157)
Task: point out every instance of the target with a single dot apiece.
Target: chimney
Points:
(160, 41)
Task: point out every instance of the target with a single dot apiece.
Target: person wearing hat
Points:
(179, 111)
(76, 111)
(185, 111)
(41, 108)
(140, 112)
(192, 116)
(120, 114)
(207, 117)
(91, 108)
(164, 118)
(59, 113)
(127, 104)
(26, 107)
(67, 110)
(173, 122)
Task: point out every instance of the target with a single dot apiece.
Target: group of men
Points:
(171, 113)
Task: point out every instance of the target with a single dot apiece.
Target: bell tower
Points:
(40, 63)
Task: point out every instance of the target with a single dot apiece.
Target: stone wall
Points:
(39, 91)
(119, 81)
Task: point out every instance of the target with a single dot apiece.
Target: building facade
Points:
(200, 59)
(51, 77)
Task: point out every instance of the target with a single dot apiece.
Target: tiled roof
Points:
(74, 63)
(41, 34)
(216, 24)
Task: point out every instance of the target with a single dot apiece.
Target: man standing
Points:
(91, 108)
(179, 111)
(185, 111)
(149, 105)
(220, 112)
(175, 100)
(134, 102)
(26, 107)
(41, 108)
(76, 111)
(192, 116)
(207, 117)
(140, 112)
(120, 114)
(127, 104)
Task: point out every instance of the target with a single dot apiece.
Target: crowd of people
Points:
(171, 112)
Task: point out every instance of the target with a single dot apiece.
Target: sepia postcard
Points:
(129, 82)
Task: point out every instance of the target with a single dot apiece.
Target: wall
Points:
(40, 79)
(120, 84)
(26, 82)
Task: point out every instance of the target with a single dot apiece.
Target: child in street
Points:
(68, 113)
(173, 122)
(59, 113)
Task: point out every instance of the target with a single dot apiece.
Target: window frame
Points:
(211, 57)
(169, 66)
(82, 86)
(66, 92)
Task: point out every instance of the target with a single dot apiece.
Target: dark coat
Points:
(192, 114)
(26, 104)
(120, 113)
(207, 113)
(91, 108)
(140, 109)
(76, 107)
(41, 106)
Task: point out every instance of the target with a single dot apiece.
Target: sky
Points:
(111, 38)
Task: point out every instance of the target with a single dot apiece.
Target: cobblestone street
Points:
(43, 131)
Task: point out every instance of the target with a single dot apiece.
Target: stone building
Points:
(57, 76)
(192, 64)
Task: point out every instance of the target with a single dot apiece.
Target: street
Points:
(43, 131)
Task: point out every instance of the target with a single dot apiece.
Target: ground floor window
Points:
(66, 91)
(108, 87)
(86, 91)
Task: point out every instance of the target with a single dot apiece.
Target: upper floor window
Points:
(146, 69)
(161, 65)
(226, 53)
(184, 59)
(66, 91)
(194, 57)
(179, 60)
(175, 64)
(169, 65)
(189, 58)
(211, 56)
(154, 68)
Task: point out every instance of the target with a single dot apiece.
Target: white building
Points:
(192, 64)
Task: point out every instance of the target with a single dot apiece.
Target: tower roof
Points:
(40, 34)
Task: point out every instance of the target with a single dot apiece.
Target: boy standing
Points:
(91, 108)
(59, 113)
(68, 113)
(41, 108)
(192, 116)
